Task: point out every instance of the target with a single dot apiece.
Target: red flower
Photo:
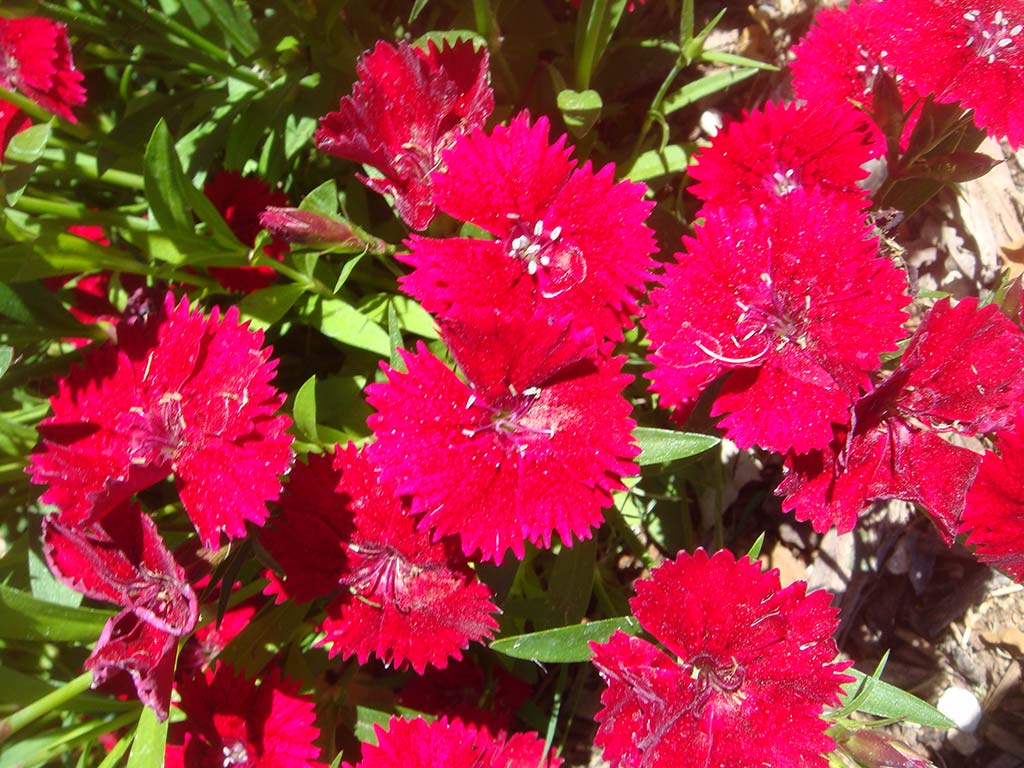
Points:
(123, 560)
(994, 514)
(844, 52)
(453, 744)
(395, 594)
(210, 640)
(569, 242)
(180, 394)
(409, 105)
(240, 200)
(35, 58)
(792, 302)
(534, 441)
(12, 121)
(753, 667)
(232, 721)
(960, 377)
(967, 52)
(772, 152)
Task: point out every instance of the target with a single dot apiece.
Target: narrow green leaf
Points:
(721, 57)
(6, 358)
(394, 338)
(28, 146)
(658, 162)
(755, 548)
(304, 411)
(705, 86)
(658, 446)
(322, 200)
(150, 742)
(572, 582)
(565, 644)
(417, 9)
(342, 322)
(266, 306)
(885, 700)
(21, 690)
(366, 719)
(46, 588)
(23, 617)
(165, 182)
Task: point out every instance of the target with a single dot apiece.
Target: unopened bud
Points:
(308, 228)
(874, 750)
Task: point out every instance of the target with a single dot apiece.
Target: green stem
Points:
(85, 734)
(312, 283)
(41, 115)
(48, 703)
(482, 17)
(87, 165)
(588, 48)
(686, 23)
(654, 109)
(80, 213)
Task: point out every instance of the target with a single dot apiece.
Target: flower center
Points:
(557, 265)
(712, 676)
(783, 182)
(381, 574)
(512, 417)
(235, 753)
(993, 39)
(158, 433)
(872, 66)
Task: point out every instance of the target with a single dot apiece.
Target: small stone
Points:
(962, 707)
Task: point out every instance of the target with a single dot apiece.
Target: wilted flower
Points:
(123, 560)
(180, 394)
(566, 242)
(959, 378)
(234, 721)
(394, 593)
(533, 442)
(792, 302)
(453, 744)
(409, 105)
(35, 58)
(753, 667)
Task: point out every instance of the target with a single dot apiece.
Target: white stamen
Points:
(971, 15)
(533, 250)
(532, 391)
(730, 360)
(531, 267)
(557, 231)
(1016, 30)
(470, 401)
(545, 261)
(1004, 42)
(538, 229)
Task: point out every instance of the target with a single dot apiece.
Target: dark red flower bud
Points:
(308, 228)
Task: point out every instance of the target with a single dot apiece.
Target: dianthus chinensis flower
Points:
(453, 744)
(959, 378)
(970, 52)
(409, 105)
(567, 241)
(35, 58)
(12, 121)
(182, 394)
(792, 303)
(773, 151)
(123, 560)
(234, 721)
(993, 516)
(533, 442)
(752, 667)
(844, 53)
(394, 593)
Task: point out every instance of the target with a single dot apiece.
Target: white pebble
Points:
(962, 707)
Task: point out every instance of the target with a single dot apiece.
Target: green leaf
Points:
(580, 110)
(705, 86)
(572, 582)
(266, 306)
(658, 446)
(394, 338)
(322, 200)
(342, 322)
(46, 588)
(885, 700)
(150, 742)
(165, 182)
(721, 57)
(565, 644)
(366, 719)
(755, 549)
(304, 410)
(417, 9)
(23, 617)
(658, 162)
(28, 146)
(21, 690)
(6, 358)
